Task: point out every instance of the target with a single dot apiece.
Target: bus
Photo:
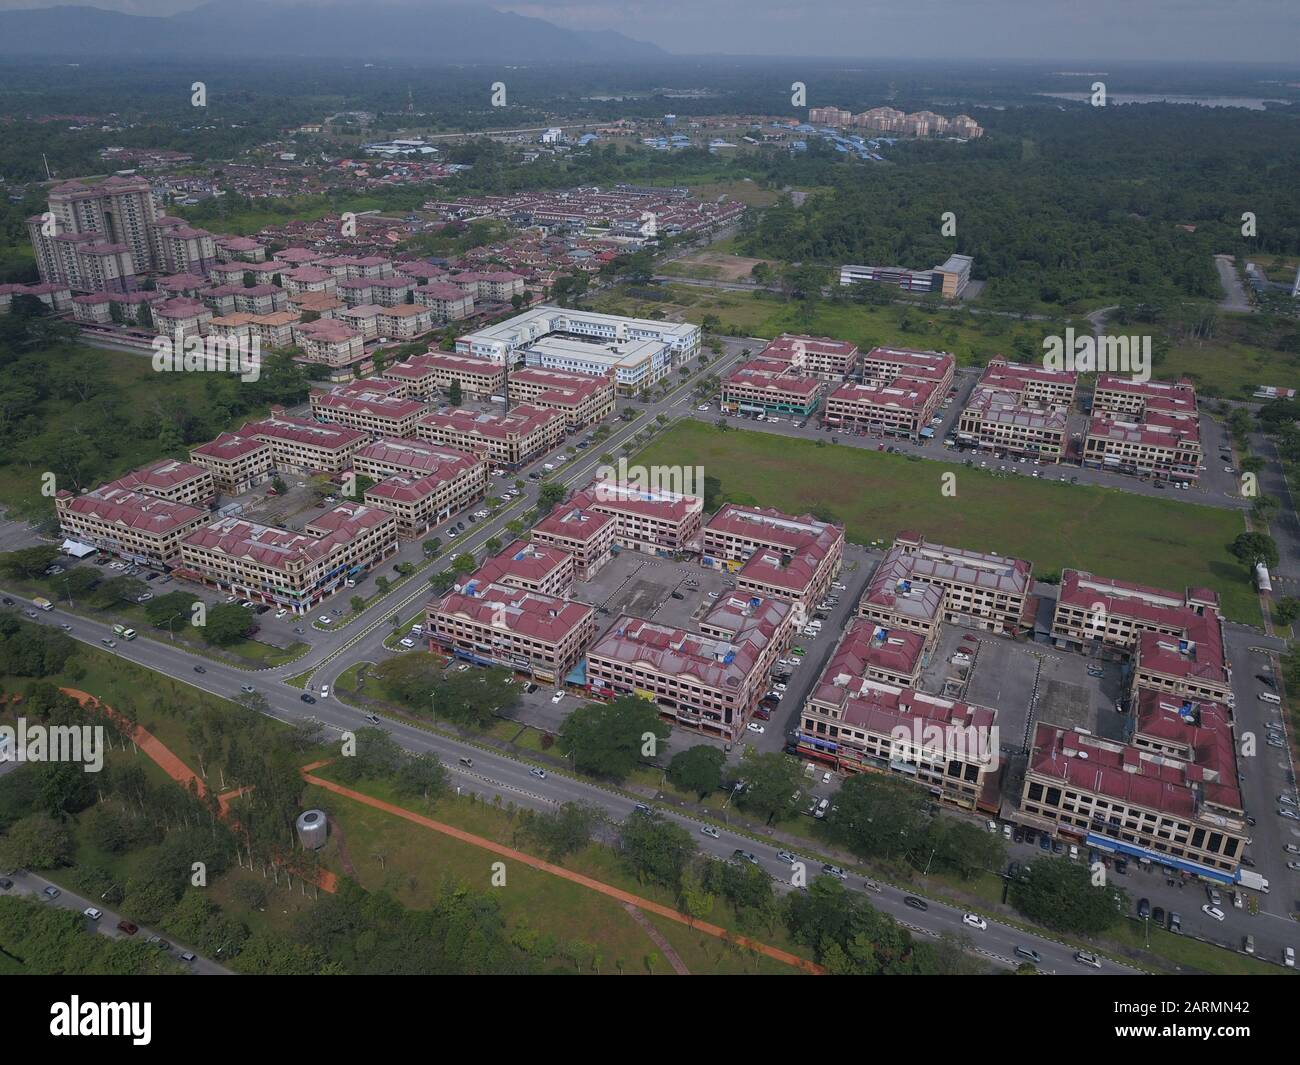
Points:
(1269, 697)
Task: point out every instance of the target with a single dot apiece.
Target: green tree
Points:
(1059, 894)
(697, 769)
(37, 841)
(656, 849)
(227, 623)
(609, 738)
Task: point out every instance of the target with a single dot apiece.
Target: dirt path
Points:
(625, 897)
(657, 938)
(163, 756)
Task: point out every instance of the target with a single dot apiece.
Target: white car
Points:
(826, 777)
(709, 830)
(324, 619)
(281, 612)
(406, 642)
(1288, 957)
(557, 697)
(702, 406)
(324, 691)
(1212, 911)
(779, 688)
(974, 920)
(92, 913)
(753, 727)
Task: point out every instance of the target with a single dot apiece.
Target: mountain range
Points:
(440, 33)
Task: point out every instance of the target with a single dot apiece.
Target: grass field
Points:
(1105, 531)
(245, 222)
(1231, 369)
(413, 862)
(972, 339)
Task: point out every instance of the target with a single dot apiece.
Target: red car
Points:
(127, 928)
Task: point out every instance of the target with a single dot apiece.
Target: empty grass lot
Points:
(1105, 531)
(413, 862)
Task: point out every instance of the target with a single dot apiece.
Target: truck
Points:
(42, 604)
(1248, 878)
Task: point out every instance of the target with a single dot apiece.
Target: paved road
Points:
(494, 773)
(1234, 298)
(31, 884)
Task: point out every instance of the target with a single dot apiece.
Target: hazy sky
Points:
(1249, 30)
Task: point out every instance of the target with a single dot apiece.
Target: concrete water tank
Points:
(313, 829)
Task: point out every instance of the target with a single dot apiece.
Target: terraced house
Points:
(132, 525)
(511, 440)
(237, 462)
(857, 724)
(773, 554)
(499, 625)
(1171, 796)
(583, 399)
(710, 680)
(369, 411)
(767, 386)
(300, 445)
(981, 591)
(292, 570)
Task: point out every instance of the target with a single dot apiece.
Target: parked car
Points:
(51, 892)
(91, 913)
(128, 928)
(1213, 911)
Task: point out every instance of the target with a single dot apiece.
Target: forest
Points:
(1069, 208)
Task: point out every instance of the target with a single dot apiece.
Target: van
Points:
(1028, 955)
(1269, 697)
(466, 761)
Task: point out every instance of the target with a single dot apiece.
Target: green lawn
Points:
(413, 862)
(1231, 369)
(972, 338)
(1105, 531)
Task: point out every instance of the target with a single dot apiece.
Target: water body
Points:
(1250, 103)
